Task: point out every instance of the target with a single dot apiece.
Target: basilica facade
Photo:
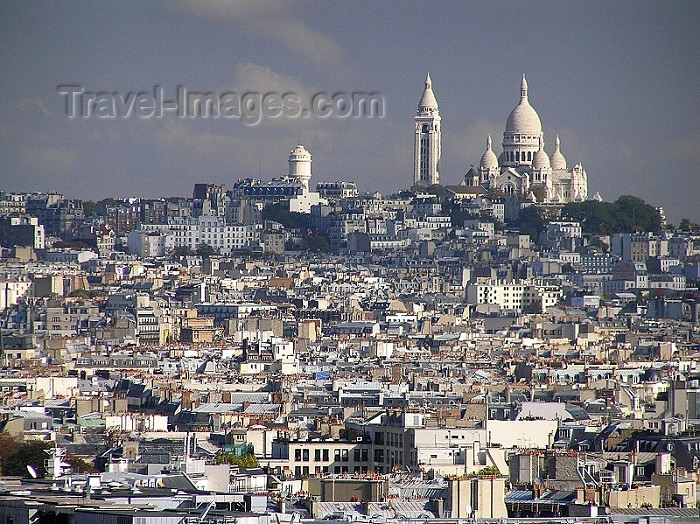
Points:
(523, 169)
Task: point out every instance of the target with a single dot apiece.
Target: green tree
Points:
(290, 245)
(530, 222)
(205, 250)
(488, 471)
(317, 244)
(535, 308)
(86, 293)
(79, 464)
(279, 212)
(179, 251)
(688, 226)
(27, 453)
(8, 447)
(627, 214)
(246, 461)
(89, 208)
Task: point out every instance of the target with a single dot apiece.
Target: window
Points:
(317, 455)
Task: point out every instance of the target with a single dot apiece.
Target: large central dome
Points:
(524, 120)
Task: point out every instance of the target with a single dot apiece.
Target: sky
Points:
(617, 81)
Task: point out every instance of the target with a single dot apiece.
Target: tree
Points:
(246, 461)
(205, 250)
(8, 447)
(28, 453)
(279, 212)
(688, 226)
(432, 189)
(179, 251)
(317, 244)
(534, 308)
(89, 208)
(79, 465)
(488, 471)
(627, 214)
(530, 222)
(290, 245)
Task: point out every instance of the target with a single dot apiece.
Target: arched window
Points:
(529, 155)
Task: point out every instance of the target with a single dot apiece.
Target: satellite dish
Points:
(32, 471)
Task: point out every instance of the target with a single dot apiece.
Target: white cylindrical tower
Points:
(300, 165)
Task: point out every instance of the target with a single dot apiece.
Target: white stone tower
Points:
(300, 165)
(427, 145)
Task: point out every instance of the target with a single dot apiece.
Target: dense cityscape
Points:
(507, 348)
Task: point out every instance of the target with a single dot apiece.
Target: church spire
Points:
(428, 102)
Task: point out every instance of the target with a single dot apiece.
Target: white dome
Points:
(488, 159)
(299, 153)
(524, 119)
(540, 160)
(428, 100)
(558, 160)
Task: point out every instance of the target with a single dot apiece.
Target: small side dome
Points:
(558, 160)
(540, 160)
(488, 159)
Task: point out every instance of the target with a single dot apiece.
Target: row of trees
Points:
(626, 215)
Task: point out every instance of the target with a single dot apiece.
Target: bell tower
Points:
(427, 146)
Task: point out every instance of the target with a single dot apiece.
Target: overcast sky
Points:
(617, 81)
